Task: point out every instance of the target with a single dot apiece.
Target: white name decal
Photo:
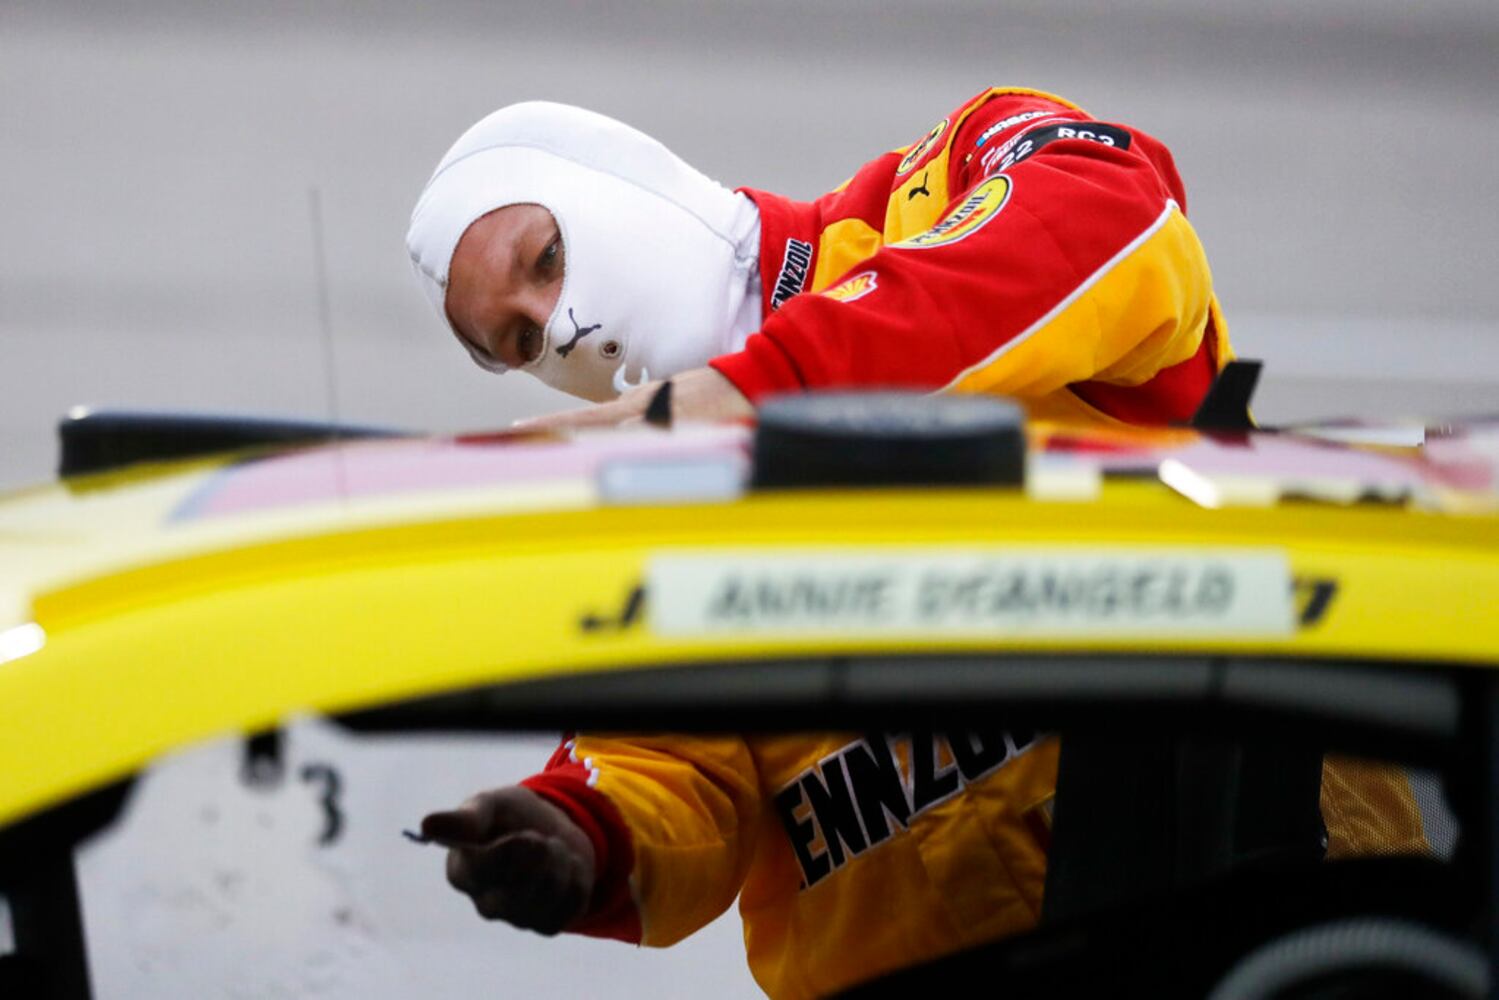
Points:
(1016, 591)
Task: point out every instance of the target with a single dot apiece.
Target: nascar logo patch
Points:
(981, 205)
(856, 287)
(919, 150)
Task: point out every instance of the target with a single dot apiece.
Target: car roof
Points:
(173, 602)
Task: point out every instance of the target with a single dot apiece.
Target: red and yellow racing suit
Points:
(1018, 248)
(851, 856)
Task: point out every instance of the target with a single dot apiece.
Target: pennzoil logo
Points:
(854, 288)
(916, 152)
(870, 791)
(793, 276)
(981, 205)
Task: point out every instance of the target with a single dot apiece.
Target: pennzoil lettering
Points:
(981, 205)
(858, 797)
(795, 266)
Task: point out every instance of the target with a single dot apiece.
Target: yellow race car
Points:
(1203, 613)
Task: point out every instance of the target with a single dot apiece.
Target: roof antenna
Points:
(325, 322)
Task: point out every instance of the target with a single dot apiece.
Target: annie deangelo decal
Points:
(1011, 590)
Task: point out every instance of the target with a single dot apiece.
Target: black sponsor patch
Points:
(1029, 142)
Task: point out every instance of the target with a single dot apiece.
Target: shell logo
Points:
(916, 152)
(982, 204)
(853, 288)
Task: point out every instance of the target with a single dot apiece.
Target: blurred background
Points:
(159, 160)
(156, 159)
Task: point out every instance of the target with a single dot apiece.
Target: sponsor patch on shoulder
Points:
(853, 288)
(1005, 156)
(1009, 123)
(915, 153)
(982, 204)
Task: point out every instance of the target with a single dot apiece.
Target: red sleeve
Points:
(1042, 212)
(564, 782)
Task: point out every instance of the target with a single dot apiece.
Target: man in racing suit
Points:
(1019, 247)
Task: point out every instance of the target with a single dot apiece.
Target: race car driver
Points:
(1017, 247)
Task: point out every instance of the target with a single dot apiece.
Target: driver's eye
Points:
(528, 344)
(550, 260)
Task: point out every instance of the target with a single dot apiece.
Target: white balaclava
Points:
(661, 264)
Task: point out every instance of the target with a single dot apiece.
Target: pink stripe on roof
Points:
(371, 469)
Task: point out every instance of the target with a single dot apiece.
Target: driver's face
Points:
(504, 280)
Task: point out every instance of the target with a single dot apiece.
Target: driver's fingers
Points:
(527, 879)
(470, 824)
(632, 404)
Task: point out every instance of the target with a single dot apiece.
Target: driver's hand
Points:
(518, 857)
(700, 394)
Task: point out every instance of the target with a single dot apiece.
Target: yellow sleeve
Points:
(1142, 311)
(1369, 810)
(692, 805)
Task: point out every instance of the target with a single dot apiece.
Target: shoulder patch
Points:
(915, 153)
(982, 204)
(853, 288)
(1005, 156)
(1005, 124)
